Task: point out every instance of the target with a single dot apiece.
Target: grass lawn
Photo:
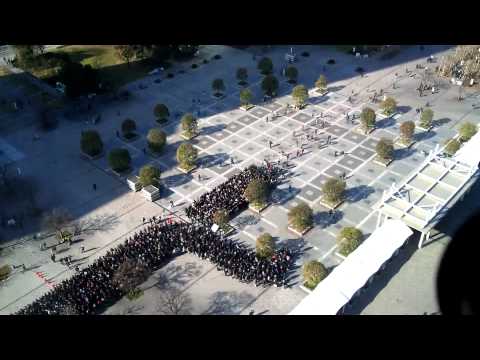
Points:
(4, 71)
(111, 68)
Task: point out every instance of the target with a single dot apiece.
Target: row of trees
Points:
(314, 271)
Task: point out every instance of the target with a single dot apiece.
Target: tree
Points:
(348, 239)
(221, 218)
(257, 192)
(218, 86)
(292, 74)
(367, 118)
(125, 52)
(334, 190)
(189, 125)
(119, 159)
(25, 56)
(426, 118)
(160, 111)
(78, 79)
(172, 301)
(385, 149)
(389, 106)
(300, 95)
(321, 83)
(301, 216)
(130, 274)
(91, 143)
(128, 128)
(156, 140)
(245, 97)
(265, 66)
(467, 130)
(452, 146)
(149, 175)
(265, 247)
(313, 273)
(407, 130)
(186, 156)
(242, 76)
(56, 220)
(270, 85)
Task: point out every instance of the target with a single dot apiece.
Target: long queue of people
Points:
(229, 195)
(93, 289)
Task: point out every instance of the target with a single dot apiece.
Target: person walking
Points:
(172, 204)
(82, 249)
(94, 187)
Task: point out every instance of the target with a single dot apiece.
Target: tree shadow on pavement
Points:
(104, 222)
(228, 303)
(176, 275)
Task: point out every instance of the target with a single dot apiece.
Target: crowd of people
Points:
(229, 196)
(93, 288)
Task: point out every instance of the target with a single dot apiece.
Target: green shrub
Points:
(265, 247)
(426, 118)
(300, 95)
(245, 97)
(313, 273)
(292, 74)
(321, 83)
(407, 129)
(218, 86)
(189, 125)
(467, 130)
(5, 271)
(389, 106)
(367, 118)
(301, 217)
(135, 294)
(242, 75)
(257, 192)
(91, 143)
(160, 111)
(119, 159)
(156, 140)
(334, 191)
(348, 240)
(186, 156)
(128, 128)
(385, 149)
(270, 85)
(149, 175)
(265, 66)
(452, 146)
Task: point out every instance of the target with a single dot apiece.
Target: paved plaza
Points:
(231, 139)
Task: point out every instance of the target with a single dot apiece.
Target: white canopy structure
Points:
(426, 194)
(470, 152)
(353, 273)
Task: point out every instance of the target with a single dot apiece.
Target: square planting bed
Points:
(91, 158)
(401, 144)
(382, 162)
(298, 232)
(123, 172)
(257, 209)
(186, 171)
(133, 182)
(151, 193)
(329, 205)
(361, 130)
(184, 136)
(247, 107)
(131, 139)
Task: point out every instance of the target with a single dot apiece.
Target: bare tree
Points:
(174, 302)
(130, 274)
(57, 219)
